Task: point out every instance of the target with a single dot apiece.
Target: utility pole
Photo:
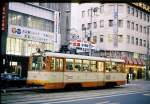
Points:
(90, 49)
(147, 56)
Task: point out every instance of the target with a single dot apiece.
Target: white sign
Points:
(82, 45)
(30, 34)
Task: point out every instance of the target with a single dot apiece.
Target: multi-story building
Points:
(119, 30)
(31, 26)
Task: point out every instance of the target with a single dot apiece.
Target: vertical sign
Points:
(115, 25)
(4, 16)
(56, 31)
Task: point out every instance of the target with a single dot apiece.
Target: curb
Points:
(20, 89)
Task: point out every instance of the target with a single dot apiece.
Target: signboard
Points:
(30, 34)
(82, 45)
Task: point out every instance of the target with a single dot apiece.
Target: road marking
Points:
(105, 102)
(147, 94)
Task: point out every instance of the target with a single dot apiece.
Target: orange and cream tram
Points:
(58, 70)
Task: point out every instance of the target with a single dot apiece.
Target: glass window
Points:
(114, 67)
(141, 15)
(110, 23)
(136, 41)
(8, 48)
(120, 67)
(100, 66)
(144, 30)
(128, 24)
(132, 25)
(78, 65)
(120, 23)
(140, 42)
(37, 62)
(101, 38)
(132, 40)
(95, 25)
(83, 13)
(144, 44)
(136, 27)
(69, 64)
(128, 9)
(94, 39)
(86, 65)
(101, 9)
(89, 25)
(128, 39)
(93, 66)
(141, 28)
(101, 23)
(108, 66)
(136, 13)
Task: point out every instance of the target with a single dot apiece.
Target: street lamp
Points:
(147, 55)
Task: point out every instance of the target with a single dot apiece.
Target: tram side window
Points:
(69, 64)
(100, 66)
(86, 65)
(108, 66)
(53, 64)
(78, 65)
(114, 67)
(56, 64)
(93, 66)
(120, 67)
(37, 62)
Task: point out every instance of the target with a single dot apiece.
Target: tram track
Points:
(34, 97)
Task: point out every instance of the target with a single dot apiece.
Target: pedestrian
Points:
(128, 78)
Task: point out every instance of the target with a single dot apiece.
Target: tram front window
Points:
(37, 62)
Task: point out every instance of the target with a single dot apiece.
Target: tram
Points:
(58, 70)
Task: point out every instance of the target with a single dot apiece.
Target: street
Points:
(137, 91)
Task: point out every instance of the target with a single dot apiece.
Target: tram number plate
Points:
(107, 77)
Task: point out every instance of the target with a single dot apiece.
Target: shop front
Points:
(135, 67)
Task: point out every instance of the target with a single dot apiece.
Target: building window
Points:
(128, 24)
(132, 40)
(141, 28)
(132, 25)
(144, 44)
(110, 23)
(136, 27)
(144, 17)
(101, 23)
(140, 42)
(136, 41)
(137, 13)
(101, 9)
(120, 23)
(147, 18)
(83, 26)
(133, 11)
(89, 12)
(101, 38)
(83, 13)
(128, 39)
(94, 39)
(128, 9)
(89, 25)
(144, 30)
(120, 38)
(95, 25)
(141, 15)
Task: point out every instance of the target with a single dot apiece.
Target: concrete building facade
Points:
(131, 29)
(31, 26)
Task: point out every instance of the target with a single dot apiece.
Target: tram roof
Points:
(81, 57)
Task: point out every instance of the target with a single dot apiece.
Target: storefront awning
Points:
(133, 61)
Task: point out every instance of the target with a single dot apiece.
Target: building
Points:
(30, 26)
(119, 30)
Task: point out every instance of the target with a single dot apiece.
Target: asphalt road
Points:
(138, 92)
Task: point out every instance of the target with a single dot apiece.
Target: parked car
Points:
(12, 80)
